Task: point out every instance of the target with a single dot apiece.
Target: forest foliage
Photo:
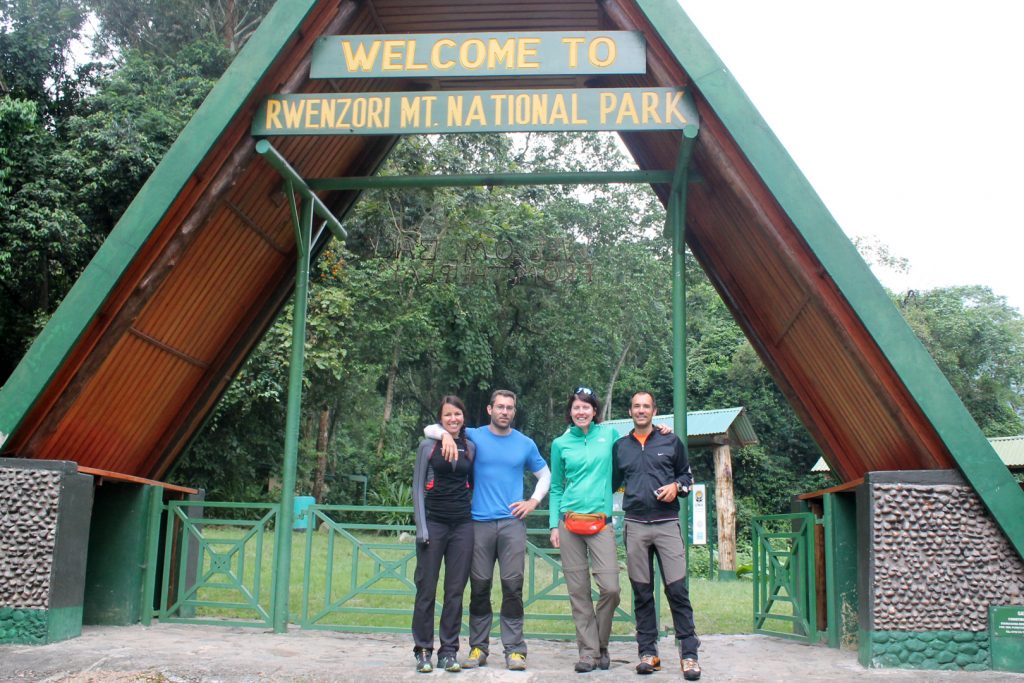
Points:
(536, 289)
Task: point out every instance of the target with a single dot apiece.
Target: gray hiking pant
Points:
(593, 627)
(504, 541)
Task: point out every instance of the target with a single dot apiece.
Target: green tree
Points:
(977, 340)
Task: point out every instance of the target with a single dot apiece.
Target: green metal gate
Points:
(784, 586)
(358, 576)
(217, 563)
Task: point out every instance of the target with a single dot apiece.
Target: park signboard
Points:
(479, 55)
(475, 111)
(537, 53)
(1006, 637)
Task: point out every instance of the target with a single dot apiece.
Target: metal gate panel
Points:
(784, 582)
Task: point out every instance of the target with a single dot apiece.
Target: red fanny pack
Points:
(583, 523)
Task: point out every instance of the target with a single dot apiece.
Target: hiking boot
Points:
(691, 669)
(477, 657)
(423, 664)
(648, 664)
(448, 663)
(515, 661)
(604, 661)
(585, 665)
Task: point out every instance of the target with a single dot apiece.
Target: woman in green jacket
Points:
(580, 522)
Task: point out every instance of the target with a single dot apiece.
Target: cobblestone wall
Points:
(939, 560)
(29, 500)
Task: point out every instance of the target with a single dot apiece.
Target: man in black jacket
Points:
(655, 471)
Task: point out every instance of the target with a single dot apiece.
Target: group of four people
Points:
(470, 511)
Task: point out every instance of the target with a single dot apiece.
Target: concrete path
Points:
(174, 653)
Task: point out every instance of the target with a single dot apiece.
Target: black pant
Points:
(452, 543)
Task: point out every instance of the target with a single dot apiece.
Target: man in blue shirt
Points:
(499, 529)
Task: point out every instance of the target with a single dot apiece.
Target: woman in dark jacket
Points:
(444, 531)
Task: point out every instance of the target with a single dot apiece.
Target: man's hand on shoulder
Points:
(521, 508)
(448, 448)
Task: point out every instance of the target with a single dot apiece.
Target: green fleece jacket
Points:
(581, 472)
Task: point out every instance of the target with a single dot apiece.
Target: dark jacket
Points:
(455, 476)
(662, 460)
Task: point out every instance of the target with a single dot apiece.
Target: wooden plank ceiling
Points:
(215, 270)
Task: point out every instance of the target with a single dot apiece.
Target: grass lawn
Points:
(377, 592)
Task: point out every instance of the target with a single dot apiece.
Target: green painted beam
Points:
(86, 297)
(493, 179)
(297, 184)
(930, 389)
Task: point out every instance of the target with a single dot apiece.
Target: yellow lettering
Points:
(392, 55)
(498, 101)
(428, 113)
(574, 50)
(540, 109)
(481, 53)
(610, 51)
(558, 111)
(362, 59)
(522, 109)
(292, 113)
(410, 58)
(627, 108)
(312, 111)
(455, 103)
(498, 53)
(435, 54)
(410, 113)
(327, 115)
(375, 109)
(672, 111)
(527, 53)
(273, 114)
(342, 120)
(387, 112)
(650, 107)
(607, 103)
(576, 118)
(359, 112)
(476, 112)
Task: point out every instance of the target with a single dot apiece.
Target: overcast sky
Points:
(906, 116)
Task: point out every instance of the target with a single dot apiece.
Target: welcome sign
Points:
(479, 55)
(475, 111)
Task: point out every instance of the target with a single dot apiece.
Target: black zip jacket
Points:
(643, 468)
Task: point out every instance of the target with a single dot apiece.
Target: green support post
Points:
(676, 227)
(283, 554)
(156, 507)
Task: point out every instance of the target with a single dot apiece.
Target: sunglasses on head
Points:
(586, 391)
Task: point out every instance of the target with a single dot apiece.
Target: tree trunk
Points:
(606, 411)
(229, 26)
(725, 507)
(321, 453)
(389, 398)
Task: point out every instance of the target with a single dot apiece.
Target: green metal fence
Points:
(784, 584)
(352, 570)
(218, 563)
(358, 576)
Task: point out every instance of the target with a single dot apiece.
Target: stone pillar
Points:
(932, 563)
(725, 509)
(45, 507)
